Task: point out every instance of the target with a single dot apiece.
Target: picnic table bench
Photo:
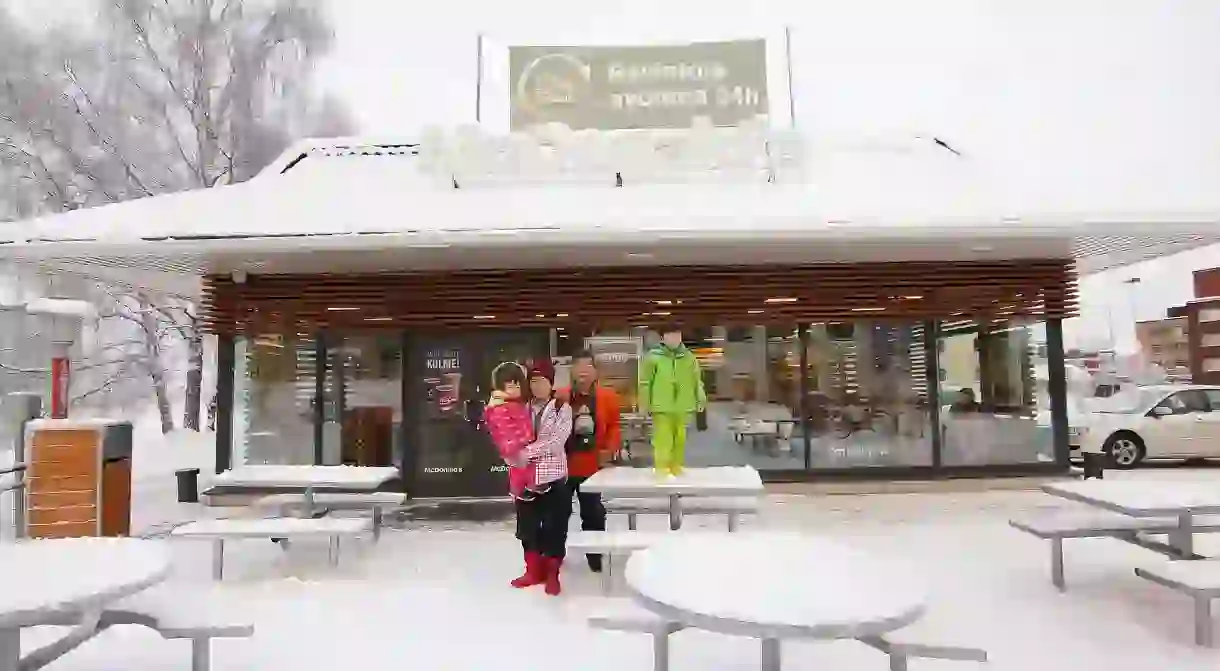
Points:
(1059, 525)
(1199, 580)
(221, 530)
(678, 584)
(295, 504)
(644, 483)
(732, 507)
(174, 613)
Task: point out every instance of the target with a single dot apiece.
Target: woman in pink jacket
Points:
(538, 466)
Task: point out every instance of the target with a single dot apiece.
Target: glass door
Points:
(450, 453)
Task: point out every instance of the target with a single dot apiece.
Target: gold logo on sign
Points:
(553, 81)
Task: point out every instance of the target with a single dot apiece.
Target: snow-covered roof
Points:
(367, 205)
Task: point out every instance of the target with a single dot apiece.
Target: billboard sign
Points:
(637, 87)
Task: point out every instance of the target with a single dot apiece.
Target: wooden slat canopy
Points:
(616, 297)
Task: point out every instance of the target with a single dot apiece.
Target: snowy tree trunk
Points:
(194, 381)
(156, 368)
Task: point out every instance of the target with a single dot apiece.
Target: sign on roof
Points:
(637, 87)
(552, 154)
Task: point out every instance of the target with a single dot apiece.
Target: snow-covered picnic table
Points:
(41, 580)
(741, 584)
(1149, 499)
(720, 481)
(308, 478)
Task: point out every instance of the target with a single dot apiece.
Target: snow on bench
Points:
(732, 506)
(1198, 579)
(611, 544)
(181, 614)
(622, 615)
(173, 612)
(901, 648)
(1057, 525)
(220, 530)
(289, 503)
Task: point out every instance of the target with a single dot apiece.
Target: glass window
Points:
(275, 400)
(750, 377)
(1186, 402)
(868, 394)
(990, 410)
(1213, 399)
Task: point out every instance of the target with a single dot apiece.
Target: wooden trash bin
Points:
(79, 478)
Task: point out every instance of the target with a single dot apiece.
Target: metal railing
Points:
(17, 486)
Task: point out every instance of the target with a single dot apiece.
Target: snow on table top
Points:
(38, 577)
(716, 481)
(742, 583)
(1143, 498)
(354, 477)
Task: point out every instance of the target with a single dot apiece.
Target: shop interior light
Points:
(484, 317)
(342, 308)
(784, 299)
(561, 315)
(868, 309)
(754, 312)
(379, 319)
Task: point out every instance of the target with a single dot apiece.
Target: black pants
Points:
(542, 523)
(592, 514)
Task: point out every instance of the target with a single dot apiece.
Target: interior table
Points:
(645, 483)
(1149, 498)
(847, 594)
(42, 580)
(308, 478)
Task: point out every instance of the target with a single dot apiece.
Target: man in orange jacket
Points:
(596, 439)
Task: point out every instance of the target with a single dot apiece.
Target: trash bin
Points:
(188, 485)
(1095, 465)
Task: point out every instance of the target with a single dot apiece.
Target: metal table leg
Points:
(675, 512)
(10, 649)
(1182, 538)
(770, 654)
(307, 503)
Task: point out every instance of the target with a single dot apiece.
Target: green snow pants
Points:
(669, 441)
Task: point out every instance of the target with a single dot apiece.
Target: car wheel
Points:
(1125, 450)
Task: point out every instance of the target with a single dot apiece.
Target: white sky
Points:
(1045, 88)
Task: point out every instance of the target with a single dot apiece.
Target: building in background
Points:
(1202, 316)
(1165, 343)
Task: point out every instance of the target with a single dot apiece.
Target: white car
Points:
(1171, 421)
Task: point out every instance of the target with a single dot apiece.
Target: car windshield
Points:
(1128, 402)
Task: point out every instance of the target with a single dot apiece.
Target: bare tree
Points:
(173, 95)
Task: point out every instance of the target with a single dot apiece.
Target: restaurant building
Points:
(359, 305)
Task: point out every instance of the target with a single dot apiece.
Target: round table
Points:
(40, 580)
(772, 586)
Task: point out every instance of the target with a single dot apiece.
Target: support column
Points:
(758, 358)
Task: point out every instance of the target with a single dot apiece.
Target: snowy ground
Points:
(434, 595)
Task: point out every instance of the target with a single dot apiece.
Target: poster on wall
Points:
(443, 383)
(656, 80)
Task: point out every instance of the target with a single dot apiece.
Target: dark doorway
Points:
(449, 454)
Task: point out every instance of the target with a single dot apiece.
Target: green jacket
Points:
(670, 381)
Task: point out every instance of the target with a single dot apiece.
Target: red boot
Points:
(535, 571)
(552, 566)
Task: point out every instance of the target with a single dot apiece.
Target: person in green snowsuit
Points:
(671, 391)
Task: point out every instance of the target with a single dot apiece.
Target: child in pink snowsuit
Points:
(511, 427)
